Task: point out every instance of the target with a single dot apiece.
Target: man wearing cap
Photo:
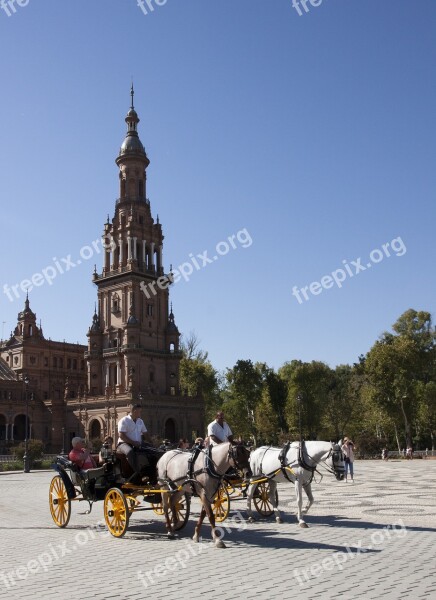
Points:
(80, 455)
(131, 432)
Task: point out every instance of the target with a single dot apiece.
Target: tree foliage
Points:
(387, 398)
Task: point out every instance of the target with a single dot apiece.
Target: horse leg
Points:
(196, 536)
(273, 500)
(211, 516)
(308, 490)
(250, 492)
(166, 500)
(299, 493)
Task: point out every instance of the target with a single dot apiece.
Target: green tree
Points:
(266, 419)
(311, 382)
(400, 366)
(242, 394)
(344, 399)
(198, 377)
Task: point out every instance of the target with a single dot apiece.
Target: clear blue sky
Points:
(315, 133)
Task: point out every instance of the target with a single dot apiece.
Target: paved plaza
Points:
(371, 539)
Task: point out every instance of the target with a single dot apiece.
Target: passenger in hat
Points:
(80, 455)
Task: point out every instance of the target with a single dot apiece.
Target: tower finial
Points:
(132, 93)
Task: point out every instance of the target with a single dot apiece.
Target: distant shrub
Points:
(35, 450)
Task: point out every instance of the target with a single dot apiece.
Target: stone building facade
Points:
(133, 342)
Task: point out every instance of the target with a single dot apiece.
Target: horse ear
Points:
(340, 442)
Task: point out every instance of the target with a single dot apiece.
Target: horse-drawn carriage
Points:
(108, 483)
(203, 473)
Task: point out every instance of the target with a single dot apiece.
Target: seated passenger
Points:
(183, 444)
(80, 456)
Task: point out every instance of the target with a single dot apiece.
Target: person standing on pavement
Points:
(219, 431)
(348, 448)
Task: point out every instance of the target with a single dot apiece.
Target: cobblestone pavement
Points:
(374, 538)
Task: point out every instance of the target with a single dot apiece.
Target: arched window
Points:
(30, 330)
(2, 427)
(95, 429)
(172, 347)
(20, 427)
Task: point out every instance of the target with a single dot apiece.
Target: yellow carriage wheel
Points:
(221, 504)
(182, 509)
(60, 504)
(261, 499)
(116, 512)
(157, 508)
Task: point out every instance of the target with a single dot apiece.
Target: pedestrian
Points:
(348, 448)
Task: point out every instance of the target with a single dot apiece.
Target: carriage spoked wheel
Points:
(60, 504)
(183, 509)
(157, 509)
(116, 512)
(221, 504)
(261, 499)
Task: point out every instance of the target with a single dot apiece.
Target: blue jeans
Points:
(349, 465)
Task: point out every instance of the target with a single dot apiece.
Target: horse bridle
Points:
(336, 457)
(336, 454)
(232, 454)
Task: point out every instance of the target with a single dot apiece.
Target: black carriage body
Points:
(91, 488)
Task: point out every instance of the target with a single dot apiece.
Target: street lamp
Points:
(26, 441)
(299, 400)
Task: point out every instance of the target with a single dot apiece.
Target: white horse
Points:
(297, 467)
(204, 477)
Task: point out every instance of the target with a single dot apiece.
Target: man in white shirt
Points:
(219, 431)
(131, 432)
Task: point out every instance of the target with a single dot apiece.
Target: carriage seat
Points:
(126, 469)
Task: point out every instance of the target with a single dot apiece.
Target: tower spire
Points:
(132, 93)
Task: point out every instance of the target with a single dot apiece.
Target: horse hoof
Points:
(303, 525)
(220, 544)
(195, 538)
(171, 535)
(250, 520)
(279, 520)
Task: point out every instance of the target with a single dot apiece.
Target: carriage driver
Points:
(131, 432)
(219, 431)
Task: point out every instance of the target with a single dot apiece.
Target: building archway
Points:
(170, 430)
(95, 429)
(3, 423)
(19, 428)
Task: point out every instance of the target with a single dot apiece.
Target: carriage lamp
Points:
(26, 434)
